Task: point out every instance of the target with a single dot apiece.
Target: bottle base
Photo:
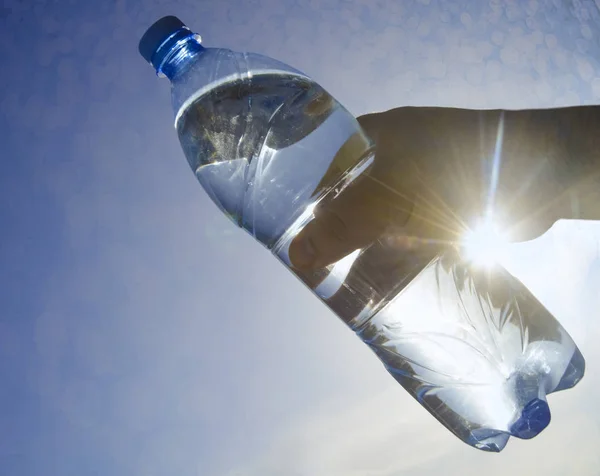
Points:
(535, 417)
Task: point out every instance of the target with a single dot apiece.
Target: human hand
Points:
(438, 170)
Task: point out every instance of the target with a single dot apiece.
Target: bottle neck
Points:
(177, 53)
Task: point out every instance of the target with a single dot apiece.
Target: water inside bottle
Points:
(263, 147)
(476, 349)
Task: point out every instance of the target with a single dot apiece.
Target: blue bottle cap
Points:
(157, 34)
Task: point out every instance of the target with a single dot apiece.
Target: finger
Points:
(353, 220)
(361, 213)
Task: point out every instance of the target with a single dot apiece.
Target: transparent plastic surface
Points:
(265, 147)
(197, 70)
(477, 350)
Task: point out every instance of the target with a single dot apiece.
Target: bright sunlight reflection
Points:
(485, 244)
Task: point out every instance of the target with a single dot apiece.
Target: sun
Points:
(484, 245)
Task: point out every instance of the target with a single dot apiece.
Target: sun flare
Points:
(484, 245)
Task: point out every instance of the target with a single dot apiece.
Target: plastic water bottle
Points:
(268, 145)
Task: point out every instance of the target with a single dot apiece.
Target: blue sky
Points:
(141, 334)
